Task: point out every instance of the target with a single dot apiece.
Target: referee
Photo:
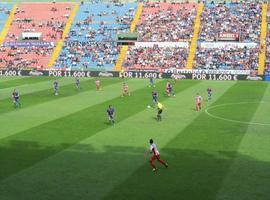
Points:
(160, 108)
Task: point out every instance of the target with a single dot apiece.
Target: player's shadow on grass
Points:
(84, 172)
(154, 118)
(107, 123)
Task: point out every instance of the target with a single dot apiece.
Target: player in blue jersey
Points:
(16, 98)
(154, 97)
(55, 87)
(209, 93)
(110, 113)
(78, 83)
(151, 82)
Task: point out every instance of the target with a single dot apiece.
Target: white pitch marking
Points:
(232, 120)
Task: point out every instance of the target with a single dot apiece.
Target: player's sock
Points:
(163, 163)
(154, 167)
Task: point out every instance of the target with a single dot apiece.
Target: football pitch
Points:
(62, 147)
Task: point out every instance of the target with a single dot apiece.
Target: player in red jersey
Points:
(97, 85)
(198, 102)
(125, 90)
(156, 156)
(167, 90)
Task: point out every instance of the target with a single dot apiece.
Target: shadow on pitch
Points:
(83, 172)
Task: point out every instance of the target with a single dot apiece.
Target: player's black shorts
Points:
(160, 111)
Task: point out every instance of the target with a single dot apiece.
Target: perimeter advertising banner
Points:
(267, 75)
(224, 75)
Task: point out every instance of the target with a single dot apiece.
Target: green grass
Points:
(64, 148)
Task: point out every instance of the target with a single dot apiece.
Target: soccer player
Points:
(16, 97)
(121, 74)
(155, 97)
(169, 89)
(198, 102)
(156, 156)
(97, 84)
(125, 90)
(160, 108)
(151, 82)
(55, 87)
(209, 92)
(110, 113)
(78, 83)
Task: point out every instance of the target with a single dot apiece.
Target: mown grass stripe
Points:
(11, 83)
(104, 160)
(31, 88)
(49, 111)
(46, 95)
(199, 156)
(249, 176)
(9, 78)
(37, 144)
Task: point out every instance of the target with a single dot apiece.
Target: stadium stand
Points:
(262, 52)
(229, 22)
(267, 65)
(42, 22)
(154, 58)
(230, 36)
(92, 39)
(4, 13)
(227, 58)
(162, 23)
(242, 19)
(165, 22)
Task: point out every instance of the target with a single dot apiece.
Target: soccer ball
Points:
(148, 106)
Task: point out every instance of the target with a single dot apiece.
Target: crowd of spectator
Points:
(240, 18)
(4, 10)
(47, 19)
(4, 13)
(83, 54)
(161, 22)
(227, 58)
(92, 40)
(241, 21)
(26, 57)
(268, 41)
(51, 26)
(156, 57)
